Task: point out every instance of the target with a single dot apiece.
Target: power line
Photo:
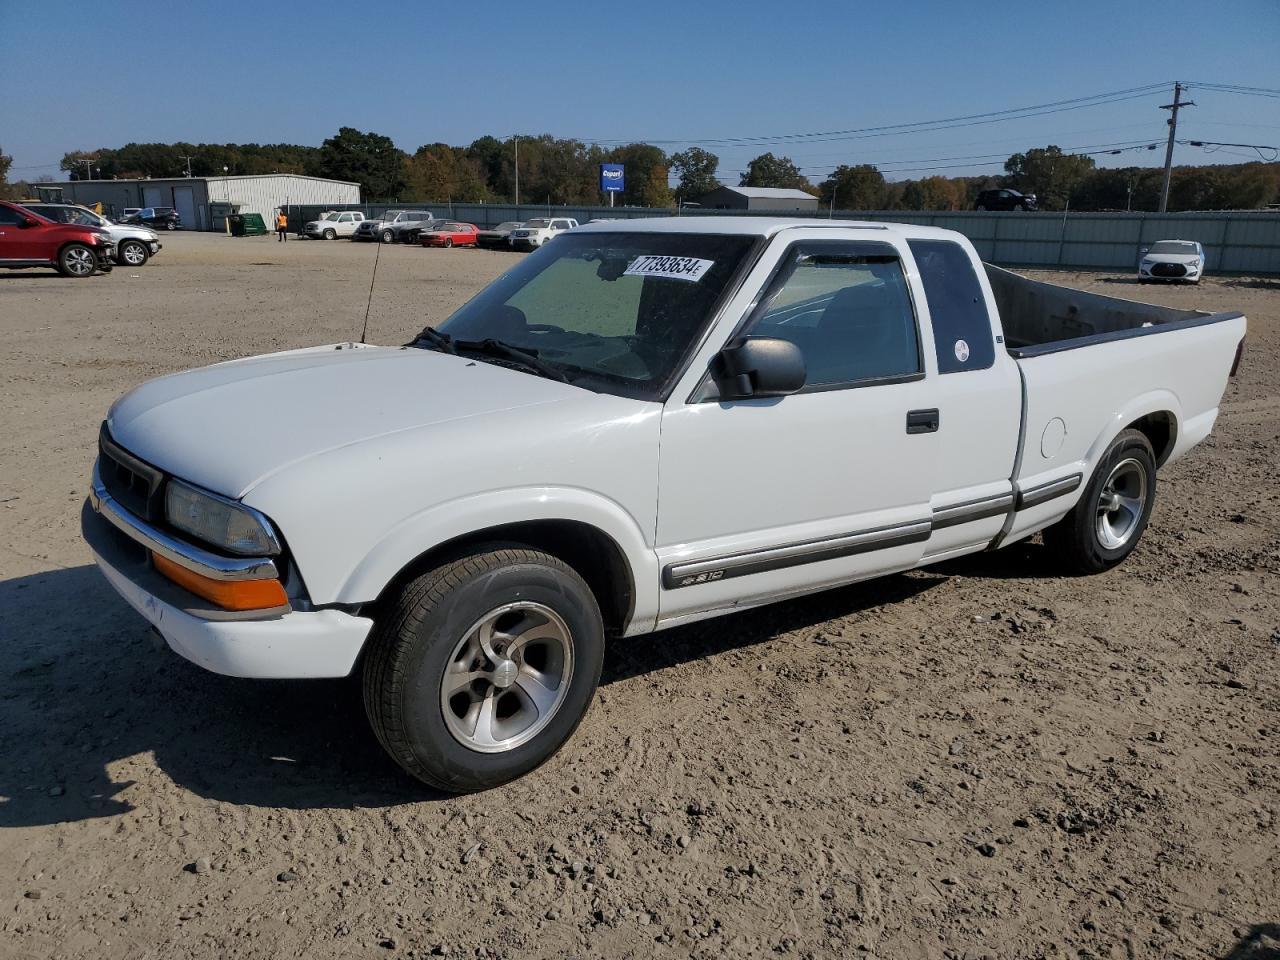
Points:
(917, 126)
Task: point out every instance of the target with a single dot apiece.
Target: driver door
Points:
(765, 497)
(18, 239)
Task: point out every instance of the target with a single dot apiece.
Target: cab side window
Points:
(846, 306)
(957, 307)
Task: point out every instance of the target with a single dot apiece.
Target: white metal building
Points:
(203, 202)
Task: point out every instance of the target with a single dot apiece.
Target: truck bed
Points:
(1041, 317)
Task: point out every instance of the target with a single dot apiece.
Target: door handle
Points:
(923, 421)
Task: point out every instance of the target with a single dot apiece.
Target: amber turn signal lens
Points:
(227, 594)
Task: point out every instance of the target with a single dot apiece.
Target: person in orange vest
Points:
(282, 225)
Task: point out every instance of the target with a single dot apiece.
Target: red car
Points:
(30, 240)
(449, 234)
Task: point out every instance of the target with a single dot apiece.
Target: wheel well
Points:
(1161, 429)
(592, 554)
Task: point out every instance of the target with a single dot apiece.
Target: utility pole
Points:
(188, 159)
(1173, 109)
(88, 168)
(517, 143)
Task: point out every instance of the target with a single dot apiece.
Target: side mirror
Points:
(1144, 251)
(759, 367)
(27, 222)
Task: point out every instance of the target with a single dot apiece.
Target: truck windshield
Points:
(537, 224)
(617, 311)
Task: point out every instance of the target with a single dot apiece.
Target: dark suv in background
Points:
(157, 218)
(1004, 199)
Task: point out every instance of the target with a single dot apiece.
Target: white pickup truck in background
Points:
(333, 224)
(642, 424)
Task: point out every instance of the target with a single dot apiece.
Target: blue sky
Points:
(84, 75)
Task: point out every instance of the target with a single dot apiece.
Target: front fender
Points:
(468, 515)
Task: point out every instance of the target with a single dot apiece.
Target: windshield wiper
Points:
(525, 357)
(441, 341)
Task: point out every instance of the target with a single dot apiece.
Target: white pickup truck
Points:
(640, 425)
(333, 224)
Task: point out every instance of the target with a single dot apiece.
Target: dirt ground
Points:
(982, 759)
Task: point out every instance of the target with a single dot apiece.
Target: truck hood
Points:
(229, 426)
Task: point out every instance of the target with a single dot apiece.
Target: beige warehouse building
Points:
(204, 202)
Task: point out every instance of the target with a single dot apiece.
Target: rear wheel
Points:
(77, 260)
(133, 253)
(171, 225)
(1106, 525)
(484, 667)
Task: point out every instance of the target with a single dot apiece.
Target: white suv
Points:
(537, 232)
(333, 224)
(135, 245)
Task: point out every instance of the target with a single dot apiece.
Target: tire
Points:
(77, 260)
(387, 236)
(981, 206)
(432, 631)
(132, 253)
(171, 225)
(448, 241)
(331, 234)
(1091, 539)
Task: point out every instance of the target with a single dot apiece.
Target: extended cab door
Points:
(979, 392)
(761, 498)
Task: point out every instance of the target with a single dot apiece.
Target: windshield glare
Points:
(509, 225)
(1173, 246)
(537, 224)
(617, 311)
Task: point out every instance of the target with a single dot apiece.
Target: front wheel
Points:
(387, 236)
(1105, 526)
(448, 241)
(171, 225)
(133, 253)
(483, 668)
(331, 234)
(981, 206)
(77, 260)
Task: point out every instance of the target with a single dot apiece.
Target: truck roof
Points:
(756, 226)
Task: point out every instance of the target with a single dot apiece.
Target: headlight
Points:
(1194, 263)
(221, 522)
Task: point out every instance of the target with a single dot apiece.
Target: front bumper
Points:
(1162, 271)
(288, 644)
(526, 243)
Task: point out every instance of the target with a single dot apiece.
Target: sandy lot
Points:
(981, 759)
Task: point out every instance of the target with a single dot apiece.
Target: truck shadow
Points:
(1261, 942)
(84, 690)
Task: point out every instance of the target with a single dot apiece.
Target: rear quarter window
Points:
(961, 323)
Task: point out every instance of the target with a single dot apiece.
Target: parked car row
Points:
(135, 244)
(424, 228)
(71, 239)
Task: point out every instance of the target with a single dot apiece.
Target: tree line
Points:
(565, 171)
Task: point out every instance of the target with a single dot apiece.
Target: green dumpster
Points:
(247, 225)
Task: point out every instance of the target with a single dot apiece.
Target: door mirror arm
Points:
(759, 367)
